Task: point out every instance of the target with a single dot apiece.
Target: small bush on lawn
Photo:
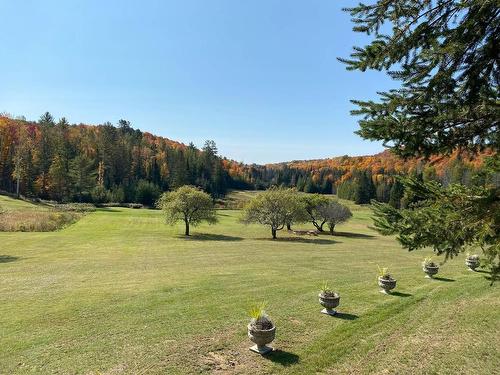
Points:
(117, 204)
(135, 205)
(75, 207)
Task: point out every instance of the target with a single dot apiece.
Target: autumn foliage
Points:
(105, 163)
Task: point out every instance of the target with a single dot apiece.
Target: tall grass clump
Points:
(36, 220)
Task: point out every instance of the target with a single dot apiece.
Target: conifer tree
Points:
(44, 151)
(22, 159)
(397, 191)
(58, 179)
(445, 55)
(365, 189)
(83, 176)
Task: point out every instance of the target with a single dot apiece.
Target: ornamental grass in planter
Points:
(472, 261)
(385, 280)
(328, 299)
(261, 330)
(430, 267)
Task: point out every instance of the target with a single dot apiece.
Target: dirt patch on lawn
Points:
(221, 362)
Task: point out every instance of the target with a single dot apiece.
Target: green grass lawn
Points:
(121, 292)
(9, 204)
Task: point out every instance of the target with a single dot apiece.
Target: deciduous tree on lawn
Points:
(312, 203)
(188, 204)
(276, 208)
(334, 213)
(296, 210)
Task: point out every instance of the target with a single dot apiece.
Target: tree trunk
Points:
(17, 187)
(321, 226)
(289, 226)
(332, 227)
(273, 231)
(42, 189)
(187, 227)
(317, 226)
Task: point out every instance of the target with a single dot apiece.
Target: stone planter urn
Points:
(430, 270)
(261, 337)
(472, 262)
(329, 302)
(386, 284)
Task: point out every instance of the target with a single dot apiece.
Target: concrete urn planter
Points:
(329, 302)
(472, 262)
(430, 270)
(261, 337)
(386, 284)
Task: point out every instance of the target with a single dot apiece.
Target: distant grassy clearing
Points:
(121, 292)
(236, 199)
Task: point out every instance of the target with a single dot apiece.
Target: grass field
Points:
(121, 292)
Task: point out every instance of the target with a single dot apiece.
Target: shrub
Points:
(118, 204)
(100, 195)
(75, 207)
(147, 193)
(117, 194)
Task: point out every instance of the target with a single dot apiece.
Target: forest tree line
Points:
(364, 178)
(106, 163)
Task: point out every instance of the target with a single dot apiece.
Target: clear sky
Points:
(259, 77)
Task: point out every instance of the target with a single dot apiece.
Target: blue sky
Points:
(259, 77)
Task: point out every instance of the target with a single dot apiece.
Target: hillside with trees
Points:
(362, 178)
(105, 163)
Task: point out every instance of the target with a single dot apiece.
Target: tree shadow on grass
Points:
(353, 235)
(345, 316)
(487, 275)
(482, 271)
(400, 294)
(7, 259)
(108, 209)
(300, 240)
(210, 237)
(282, 357)
(443, 279)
